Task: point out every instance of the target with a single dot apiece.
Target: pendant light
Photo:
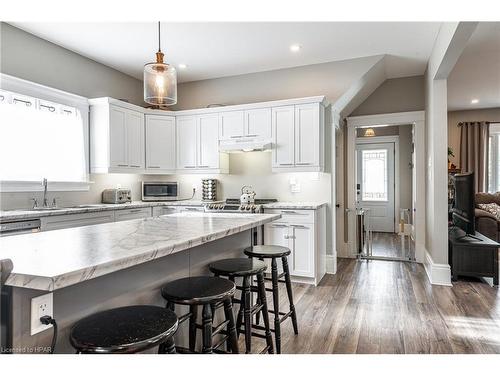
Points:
(160, 80)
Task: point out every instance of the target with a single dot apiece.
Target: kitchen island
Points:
(97, 267)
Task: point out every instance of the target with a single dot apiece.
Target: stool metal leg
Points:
(193, 309)
(289, 291)
(207, 328)
(265, 313)
(247, 309)
(231, 328)
(276, 305)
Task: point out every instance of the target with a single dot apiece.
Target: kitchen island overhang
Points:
(94, 268)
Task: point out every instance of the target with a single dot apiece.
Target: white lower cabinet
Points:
(132, 213)
(302, 232)
(164, 210)
(76, 220)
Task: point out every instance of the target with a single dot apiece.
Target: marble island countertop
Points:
(87, 208)
(56, 259)
(295, 205)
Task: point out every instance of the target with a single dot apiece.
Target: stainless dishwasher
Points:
(13, 227)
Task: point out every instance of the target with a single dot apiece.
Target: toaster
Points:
(116, 196)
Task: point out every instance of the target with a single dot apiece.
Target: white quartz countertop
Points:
(295, 205)
(33, 214)
(60, 258)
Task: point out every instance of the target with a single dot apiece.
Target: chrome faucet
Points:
(44, 183)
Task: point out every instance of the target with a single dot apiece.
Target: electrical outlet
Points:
(40, 306)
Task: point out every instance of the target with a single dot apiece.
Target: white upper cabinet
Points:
(135, 140)
(254, 123)
(283, 122)
(198, 145)
(116, 138)
(307, 135)
(232, 125)
(298, 135)
(160, 144)
(187, 139)
(258, 123)
(208, 142)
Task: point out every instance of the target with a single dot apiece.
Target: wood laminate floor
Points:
(390, 307)
(387, 245)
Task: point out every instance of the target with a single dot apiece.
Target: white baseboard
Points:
(331, 264)
(438, 273)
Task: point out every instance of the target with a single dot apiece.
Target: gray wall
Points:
(26, 56)
(394, 95)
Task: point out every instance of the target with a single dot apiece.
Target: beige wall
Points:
(331, 79)
(26, 56)
(394, 95)
(454, 117)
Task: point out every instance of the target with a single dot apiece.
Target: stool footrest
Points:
(218, 329)
(255, 326)
(184, 317)
(220, 343)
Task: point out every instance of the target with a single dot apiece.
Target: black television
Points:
(463, 207)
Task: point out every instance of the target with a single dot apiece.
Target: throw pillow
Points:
(492, 208)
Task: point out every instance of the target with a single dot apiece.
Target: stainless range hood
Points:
(245, 144)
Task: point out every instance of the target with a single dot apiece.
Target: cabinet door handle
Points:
(303, 163)
(135, 210)
(286, 164)
(299, 226)
(251, 135)
(204, 166)
(135, 166)
(123, 165)
(236, 136)
(190, 166)
(279, 226)
(153, 166)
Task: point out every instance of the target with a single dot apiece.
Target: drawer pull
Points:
(190, 166)
(299, 226)
(135, 166)
(303, 163)
(123, 165)
(279, 226)
(135, 210)
(204, 166)
(287, 164)
(153, 166)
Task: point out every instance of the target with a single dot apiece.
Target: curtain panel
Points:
(474, 148)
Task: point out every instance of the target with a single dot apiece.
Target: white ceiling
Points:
(476, 74)
(223, 49)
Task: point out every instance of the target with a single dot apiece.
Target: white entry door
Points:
(375, 184)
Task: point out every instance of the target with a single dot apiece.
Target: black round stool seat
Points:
(237, 267)
(267, 251)
(198, 290)
(128, 329)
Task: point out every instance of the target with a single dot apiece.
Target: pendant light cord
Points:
(159, 37)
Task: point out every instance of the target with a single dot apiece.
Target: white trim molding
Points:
(438, 273)
(331, 264)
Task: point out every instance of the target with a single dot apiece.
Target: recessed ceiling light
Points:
(295, 47)
(474, 101)
(182, 66)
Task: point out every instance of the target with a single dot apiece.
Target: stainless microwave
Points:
(159, 191)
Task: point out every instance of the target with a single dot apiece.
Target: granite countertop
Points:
(56, 259)
(32, 214)
(295, 205)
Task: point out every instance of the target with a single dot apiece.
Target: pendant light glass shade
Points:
(160, 81)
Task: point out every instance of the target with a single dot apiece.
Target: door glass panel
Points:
(374, 174)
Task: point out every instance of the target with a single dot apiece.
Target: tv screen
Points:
(464, 205)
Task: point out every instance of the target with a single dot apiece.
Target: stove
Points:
(234, 206)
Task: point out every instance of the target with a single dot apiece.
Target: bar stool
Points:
(274, 252)
(247, 268)
(210, 293)
(129, 329)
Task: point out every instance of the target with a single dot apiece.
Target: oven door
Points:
(159, 191)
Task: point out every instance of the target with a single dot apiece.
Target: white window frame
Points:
(23, 87)
(495, 144)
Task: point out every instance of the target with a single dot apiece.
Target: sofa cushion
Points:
(492, 208)
(484, 198)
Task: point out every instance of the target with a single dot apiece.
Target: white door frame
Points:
(417, 119)
(389, 139)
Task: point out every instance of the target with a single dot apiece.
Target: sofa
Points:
(487, 223)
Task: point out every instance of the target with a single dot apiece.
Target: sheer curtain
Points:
(474, 149)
